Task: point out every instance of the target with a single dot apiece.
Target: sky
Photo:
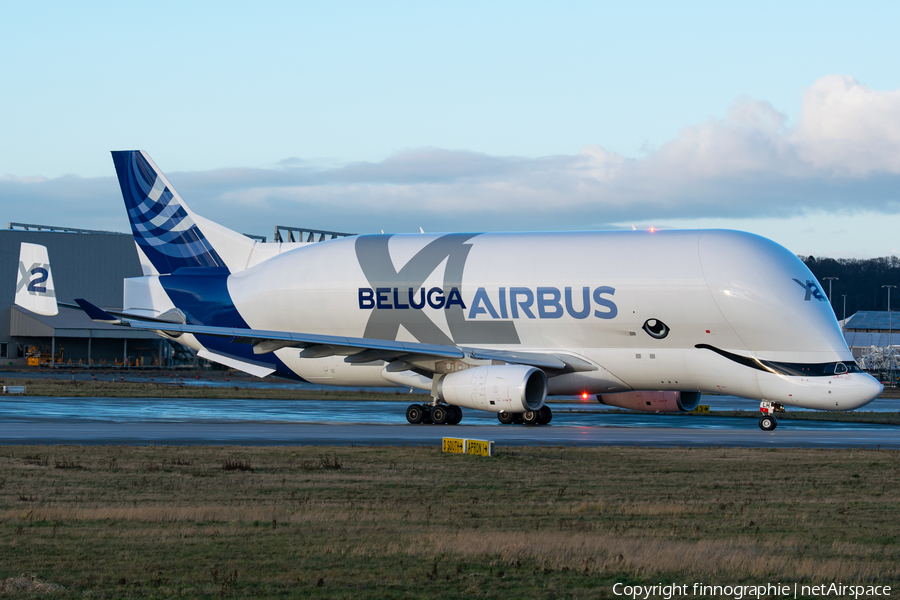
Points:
(782, 119)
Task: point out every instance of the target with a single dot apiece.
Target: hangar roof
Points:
(865, 339)
(68, 323)
(874, 319)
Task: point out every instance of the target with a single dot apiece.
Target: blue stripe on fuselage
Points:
(202, 295)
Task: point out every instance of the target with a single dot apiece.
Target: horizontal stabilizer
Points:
(96, 313)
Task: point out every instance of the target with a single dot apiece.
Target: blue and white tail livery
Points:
(34, 284)
(164, 230)
(493, 321)
(169, 236)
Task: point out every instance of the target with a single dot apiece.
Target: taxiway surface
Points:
(37, 420)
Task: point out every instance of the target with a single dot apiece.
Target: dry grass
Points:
(27, 585)
(653, 557)
(236, 465)
(384, 522)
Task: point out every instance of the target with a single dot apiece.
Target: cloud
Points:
(850, 129)
(66, 201)
(8, 178)
(843, 156)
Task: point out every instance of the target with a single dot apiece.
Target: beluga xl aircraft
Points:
(643, 320)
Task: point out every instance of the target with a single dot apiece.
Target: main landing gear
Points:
(768, 422)
(531, 417)
(447, 414)
(439, 414)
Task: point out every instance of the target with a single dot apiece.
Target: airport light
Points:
(890, 335)
(829, 280)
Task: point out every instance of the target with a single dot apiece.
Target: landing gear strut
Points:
(768, 409)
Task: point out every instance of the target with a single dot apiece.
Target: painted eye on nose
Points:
(656, 328)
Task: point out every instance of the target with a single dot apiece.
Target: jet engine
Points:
(648, 401)
(495, 388)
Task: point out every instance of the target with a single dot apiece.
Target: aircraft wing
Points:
(356, 350)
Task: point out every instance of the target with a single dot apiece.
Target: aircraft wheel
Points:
(546, 415)
(440, 415)
(457, 415)
(768, 423)
(532, 417)
(415, 414)
(505, 418)
(517, 418)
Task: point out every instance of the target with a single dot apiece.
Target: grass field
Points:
(392, 522)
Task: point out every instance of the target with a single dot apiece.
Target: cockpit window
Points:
(812, 369)
(790, 369)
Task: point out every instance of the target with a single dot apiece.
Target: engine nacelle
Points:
(648, 401)
(494, 388)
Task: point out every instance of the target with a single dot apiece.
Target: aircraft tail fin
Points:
(34, 286)
(169, 236)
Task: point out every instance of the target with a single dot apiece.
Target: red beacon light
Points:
(584, 395)
(652, 229)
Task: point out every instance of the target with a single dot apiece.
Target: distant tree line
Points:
(860, 280)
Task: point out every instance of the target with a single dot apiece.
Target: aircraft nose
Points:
(869, 389)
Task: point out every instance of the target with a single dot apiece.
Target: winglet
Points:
(96, 313)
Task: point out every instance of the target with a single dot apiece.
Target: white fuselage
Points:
(587, 295)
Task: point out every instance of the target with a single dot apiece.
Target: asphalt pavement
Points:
(39, 420)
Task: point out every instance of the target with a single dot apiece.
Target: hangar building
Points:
(85, 264)
(92, 265)
(867, 329)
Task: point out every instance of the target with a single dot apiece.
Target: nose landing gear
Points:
(768, 422)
